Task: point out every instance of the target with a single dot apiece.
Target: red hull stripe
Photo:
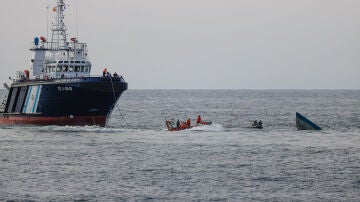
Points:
(60, 121)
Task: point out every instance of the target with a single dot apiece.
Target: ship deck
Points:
(25, 82)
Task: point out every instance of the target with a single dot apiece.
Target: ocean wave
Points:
(71, 129)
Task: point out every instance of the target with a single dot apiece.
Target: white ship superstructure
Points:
(59, 58)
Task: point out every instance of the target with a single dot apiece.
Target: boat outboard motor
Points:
(6, 86)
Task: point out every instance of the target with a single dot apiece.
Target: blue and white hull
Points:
(76, 101)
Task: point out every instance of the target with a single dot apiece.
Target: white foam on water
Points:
(212, 127)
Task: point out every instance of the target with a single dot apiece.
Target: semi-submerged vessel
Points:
(58, 88)
(303, 123)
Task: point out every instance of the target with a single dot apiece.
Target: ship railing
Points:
(113, 78)
(52, 46)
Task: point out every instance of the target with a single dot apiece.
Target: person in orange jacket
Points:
(183, 125)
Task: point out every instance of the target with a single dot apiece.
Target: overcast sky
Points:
(201, 44)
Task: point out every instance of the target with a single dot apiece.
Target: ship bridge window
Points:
(71, 61)
(83, 62)
(60, 61)
(66, 61)
(77, 61)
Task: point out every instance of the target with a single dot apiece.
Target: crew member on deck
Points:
(198, 120)
(108, 74)
(104, 72)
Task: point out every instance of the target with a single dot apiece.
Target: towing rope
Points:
(123, 118)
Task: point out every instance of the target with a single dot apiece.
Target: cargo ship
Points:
(58, 89)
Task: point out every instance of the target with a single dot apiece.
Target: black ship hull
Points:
(76, 101)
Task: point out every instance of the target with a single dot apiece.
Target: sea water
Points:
(136, 158)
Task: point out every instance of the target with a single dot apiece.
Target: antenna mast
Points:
(47, 21)
(77, 24)
(58, 41)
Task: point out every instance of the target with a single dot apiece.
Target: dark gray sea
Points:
(137, 159)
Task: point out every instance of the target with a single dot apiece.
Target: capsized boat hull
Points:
(302, 123)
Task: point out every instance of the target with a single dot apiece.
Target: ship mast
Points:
(58, 39)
